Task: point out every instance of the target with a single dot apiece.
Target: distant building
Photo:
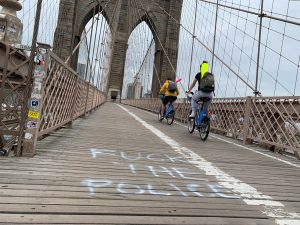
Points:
(81, 69)
(138, 90)
(130, 91)
(148, 94)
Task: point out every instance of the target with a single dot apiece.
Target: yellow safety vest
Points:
(204, 69)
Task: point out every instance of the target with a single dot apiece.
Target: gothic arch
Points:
(74, 14)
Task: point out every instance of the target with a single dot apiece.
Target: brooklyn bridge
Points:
(81, 140)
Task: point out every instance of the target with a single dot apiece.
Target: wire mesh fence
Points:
(39, 93)
(270, 122)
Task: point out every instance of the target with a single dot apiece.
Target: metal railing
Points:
(272, 122)
(65, 96)
(13, 78)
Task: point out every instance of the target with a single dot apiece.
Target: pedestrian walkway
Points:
(121, 166)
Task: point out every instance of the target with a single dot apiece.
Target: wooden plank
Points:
(126, 210)
(107, 219)
(50, 187)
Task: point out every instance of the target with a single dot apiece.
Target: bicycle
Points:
(169, 113)
(201, 121)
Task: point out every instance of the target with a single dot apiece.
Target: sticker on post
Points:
(28, 136)
(37, 87)
(40, 60)
(39, 74)
(42, 51)
(36, 92)
(31, 125)
(33, 115)
(34, 105)
(37, 96)
(38, 68)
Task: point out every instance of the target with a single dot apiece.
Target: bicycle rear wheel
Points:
(204, 131)
(190, 122)
(170, 118)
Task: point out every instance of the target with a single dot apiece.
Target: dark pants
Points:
(168, 99)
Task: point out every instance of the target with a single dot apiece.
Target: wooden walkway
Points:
(120, 167)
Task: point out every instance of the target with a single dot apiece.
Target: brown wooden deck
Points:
(111, 169)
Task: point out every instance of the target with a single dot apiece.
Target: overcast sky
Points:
(280, 54)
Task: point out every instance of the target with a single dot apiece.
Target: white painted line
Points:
(251, 149)
(241, 146)
(248, 193)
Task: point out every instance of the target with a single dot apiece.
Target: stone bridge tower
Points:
(123, 16)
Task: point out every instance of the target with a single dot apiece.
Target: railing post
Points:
(29, 76)
(247, 114)
(69, 125)
(35, 102)
(86, 99)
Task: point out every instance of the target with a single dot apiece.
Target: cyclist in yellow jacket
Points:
(168, 93)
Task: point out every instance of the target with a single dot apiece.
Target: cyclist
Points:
(206, 87)
(168, 93)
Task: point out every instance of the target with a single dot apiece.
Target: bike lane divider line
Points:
(250, 195)
(251, 149)
(211, 136)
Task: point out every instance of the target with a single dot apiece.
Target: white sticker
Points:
(39, 74)
(28, 136)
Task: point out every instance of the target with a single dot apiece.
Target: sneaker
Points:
(161, 118)
(192, 115)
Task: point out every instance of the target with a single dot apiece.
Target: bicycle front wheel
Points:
(170, 118)
(204, 131)
(190, 122)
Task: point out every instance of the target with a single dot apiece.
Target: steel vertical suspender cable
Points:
(164, 50)
(192, 53)
(225, 64)
(78, 45)
(95, 38)
(138, 43)
(99, 49)
(113, 37)
(266, 46)
(102, 31)
(242, 46)
(267, 39)
(256, 92)
(232, 53)
(155, 69)
(106, 42)
(106, 51)
(215, 34)
(298, 68)
(97, 55)
(281, 48)
(89, 53)
(148, 50)
(253, 49)
(140, 62)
